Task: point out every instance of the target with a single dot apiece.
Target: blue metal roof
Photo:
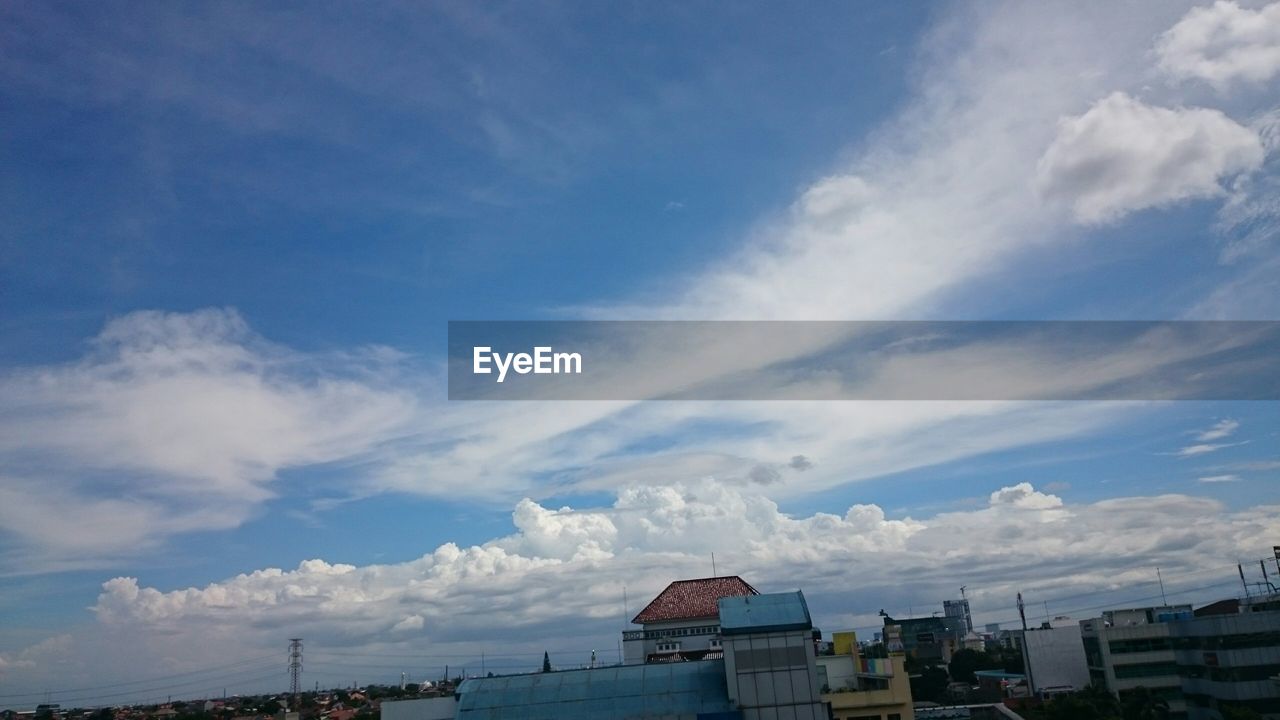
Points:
(764, 613)
(625, 692)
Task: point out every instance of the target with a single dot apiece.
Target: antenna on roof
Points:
(713, 566)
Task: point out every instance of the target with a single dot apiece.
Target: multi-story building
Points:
(1230, 659)
(769, 657)
(930, 639)
(959, 609)
(682, 622)
(1128, 649)
(1055, 659)
(863, 688)
(763, 666)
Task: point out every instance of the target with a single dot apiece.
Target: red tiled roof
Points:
(693, 599)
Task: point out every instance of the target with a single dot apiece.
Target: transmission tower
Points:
(295, 665)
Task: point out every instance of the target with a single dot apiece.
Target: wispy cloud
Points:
(1220, 430)
(1211, 479)
(1223, 428)
(1204, 448)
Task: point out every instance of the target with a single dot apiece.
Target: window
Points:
(1140, 670)
(1120, 647)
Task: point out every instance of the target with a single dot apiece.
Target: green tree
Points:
(930, 684)
(1103, 702)
(1142, 704)
(1238, 712)
(965, 662)
(546, 661)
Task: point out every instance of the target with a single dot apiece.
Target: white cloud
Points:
(1023, 495)
(1203, 448)
(1221, 429)
(1123, 155)
(176, 423)
(569, 567)
(1223, 43)
(1220, 479)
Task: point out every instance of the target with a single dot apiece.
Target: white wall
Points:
(1057, 658)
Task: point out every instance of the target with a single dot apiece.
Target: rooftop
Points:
(693, 599)
(764, 613)
(689, 689)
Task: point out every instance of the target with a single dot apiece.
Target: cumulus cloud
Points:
(1024, 496)
(1222, 44)
(572, 565)
(1123, 155)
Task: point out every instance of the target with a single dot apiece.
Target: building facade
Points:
(1230, 660)
(860, 688)
(1055, 660)
(682, 622)
(1131, 648)
(764, 669)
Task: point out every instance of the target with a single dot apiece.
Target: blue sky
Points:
(233, 236)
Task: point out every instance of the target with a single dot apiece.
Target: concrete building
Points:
(1230, 659)
(930, 639)
(857, 687)
(959, 609)
(1128, 649)
(1055, 660)
(764, 668)
(769, 657)
(682, 622)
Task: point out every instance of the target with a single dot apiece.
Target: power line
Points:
(162, 678)
(241, 676)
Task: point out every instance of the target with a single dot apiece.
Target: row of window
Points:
(1239, 641)
(771, 658)
(1245, 673)
(670, 633)
(1121, 647)
(675, 646)
(1140, 670)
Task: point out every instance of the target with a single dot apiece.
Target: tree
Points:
(1142, 704)
(930, 684)
(965, 662)
(546, 661)
(1238, 712)
(1103, 702)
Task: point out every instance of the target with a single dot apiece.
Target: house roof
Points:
(693, 599)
